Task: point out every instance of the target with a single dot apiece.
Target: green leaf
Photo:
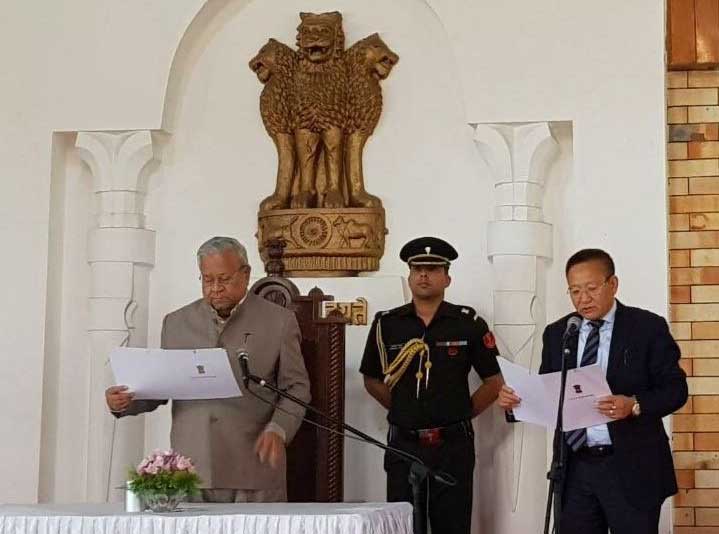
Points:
(169, 483)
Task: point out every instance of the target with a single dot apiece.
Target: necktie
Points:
(578, 438)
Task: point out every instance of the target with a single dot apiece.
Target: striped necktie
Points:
(578, 438)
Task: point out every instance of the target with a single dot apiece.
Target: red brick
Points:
(706, 441)
(680, 295)
(685, 478)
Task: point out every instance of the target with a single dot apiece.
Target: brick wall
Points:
(693, 171)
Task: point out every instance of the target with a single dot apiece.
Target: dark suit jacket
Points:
(643, 361)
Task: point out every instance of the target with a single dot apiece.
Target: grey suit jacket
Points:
(219, 435)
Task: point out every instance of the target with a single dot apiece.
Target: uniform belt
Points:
(433, 436)
(598, 451)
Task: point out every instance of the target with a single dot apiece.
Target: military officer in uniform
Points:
(416, 364)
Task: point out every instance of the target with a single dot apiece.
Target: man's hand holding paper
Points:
(534, 398)
(171, 374)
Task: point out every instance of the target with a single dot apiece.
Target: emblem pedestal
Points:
(325, 242)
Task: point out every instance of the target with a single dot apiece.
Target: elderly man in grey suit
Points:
(238, 444)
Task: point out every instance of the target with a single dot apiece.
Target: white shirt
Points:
(598, 435)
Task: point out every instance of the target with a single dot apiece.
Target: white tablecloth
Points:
(275, 518)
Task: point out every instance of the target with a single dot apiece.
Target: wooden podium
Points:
(315, 457)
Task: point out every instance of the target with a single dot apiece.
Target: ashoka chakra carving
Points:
(315, 232)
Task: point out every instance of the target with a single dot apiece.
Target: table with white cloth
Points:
(261, 518)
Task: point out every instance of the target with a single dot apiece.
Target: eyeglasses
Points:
(591, 289)
(223, 280)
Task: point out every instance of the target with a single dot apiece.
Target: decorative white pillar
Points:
(519, 245)
(121, 253)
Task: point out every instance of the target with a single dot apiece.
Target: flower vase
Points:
(162, 502)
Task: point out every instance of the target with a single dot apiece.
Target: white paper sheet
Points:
(175, 374)
(540, 395)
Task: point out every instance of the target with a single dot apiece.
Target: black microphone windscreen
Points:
(573, 325)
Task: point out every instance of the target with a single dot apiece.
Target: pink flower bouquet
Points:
(163, 479)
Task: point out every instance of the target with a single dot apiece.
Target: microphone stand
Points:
(559, 449)
(418, 472)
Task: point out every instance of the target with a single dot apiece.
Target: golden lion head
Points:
(320, 37)
(372, 56)
(272, 58)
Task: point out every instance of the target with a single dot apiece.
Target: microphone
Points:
(244, 357)
(573, 324)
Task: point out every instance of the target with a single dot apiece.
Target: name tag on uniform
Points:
(452, 346)
(396, 346)
(460, 343)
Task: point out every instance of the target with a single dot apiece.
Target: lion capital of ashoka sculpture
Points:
(320, 104)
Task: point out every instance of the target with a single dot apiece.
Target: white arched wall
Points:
(185, 181)
(105, 66)
(215, 154)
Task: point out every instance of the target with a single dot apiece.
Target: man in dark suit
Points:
(617, 475)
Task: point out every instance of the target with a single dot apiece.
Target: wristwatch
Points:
(636, 409)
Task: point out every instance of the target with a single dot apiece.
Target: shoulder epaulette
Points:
(393, 311)
(466, 311)
(469, 312)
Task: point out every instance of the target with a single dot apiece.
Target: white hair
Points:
(220, 244)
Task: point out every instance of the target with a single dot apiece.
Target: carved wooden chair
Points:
(315, 458)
